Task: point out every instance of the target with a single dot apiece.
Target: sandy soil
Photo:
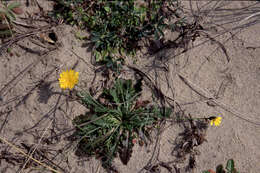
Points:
(222, 73)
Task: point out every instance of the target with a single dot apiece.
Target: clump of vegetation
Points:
(115, 121)
(230, 168)
(116, 27)
(7, 16)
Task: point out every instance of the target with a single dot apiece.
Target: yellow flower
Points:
(216, 121)
(68, 79)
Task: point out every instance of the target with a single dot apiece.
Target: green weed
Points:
(116, 27)
(230, 168)
(115, 120)
(7, 16)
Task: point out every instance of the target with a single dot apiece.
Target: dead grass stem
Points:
(28, 156)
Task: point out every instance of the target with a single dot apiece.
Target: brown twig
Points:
(22, 36)
(205, 94)
(17, 78)
(29, 157)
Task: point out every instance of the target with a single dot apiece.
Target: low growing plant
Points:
(230, 168)
(115, 121)
(7, 16)
(117, 26)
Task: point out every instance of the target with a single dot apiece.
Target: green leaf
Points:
(115, 97)
(205, 172)
(160, 31)
(9, 50)
(230, 165)
(98, 56)
(108, 9)
(79, 36)
(2, 10)
(5, 33)
(13, 5)
(9, 14)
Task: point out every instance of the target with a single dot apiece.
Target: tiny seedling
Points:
(230, 168)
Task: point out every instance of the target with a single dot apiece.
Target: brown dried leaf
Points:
(3, 26)
(141, 103)
(17, 10)
(46, 38)
(211, 171)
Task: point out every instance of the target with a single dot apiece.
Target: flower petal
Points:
(68, 79)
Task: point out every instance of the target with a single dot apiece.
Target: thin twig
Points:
(88, 64)
(206, 94)
(17, 78)
(22, 36)
(24, 24)
(255, 14)
(22, 152)
(35, 147)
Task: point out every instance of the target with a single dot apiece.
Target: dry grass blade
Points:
(29, 157)
(252, 15)
(206, 94)
(158, 93)
(35, 147)
(156, 148)
(17, 78)
(22, 36)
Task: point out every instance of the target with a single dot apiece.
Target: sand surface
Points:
(221, 68)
